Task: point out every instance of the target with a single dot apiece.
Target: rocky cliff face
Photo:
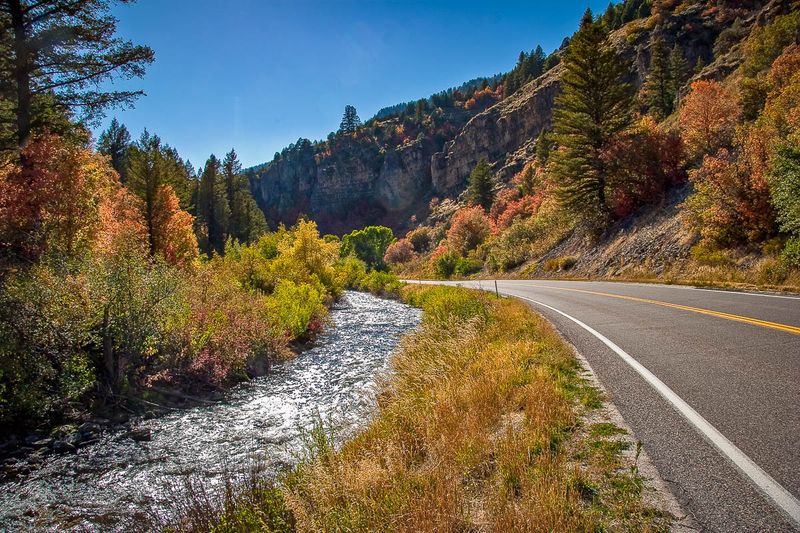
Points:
(355, 184)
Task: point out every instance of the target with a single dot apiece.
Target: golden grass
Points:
(480, 428)
(475, 432)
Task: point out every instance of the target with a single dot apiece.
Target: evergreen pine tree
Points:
(350, 121)
(115, 143)
(679, 69)
(213, 212)
(231, 171)
(609, 18)
(679, 72)
(481, 185)
(594, 105)
(699, 65)
(659, 85)
(145, 176)
(527, 184)
(246, 220)
(543, 145)
(534, 64)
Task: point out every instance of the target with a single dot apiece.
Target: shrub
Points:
(350, 271)
(708, 118)
(522, 208)
(469, 228)
(559, 264)
(513, 246)
(420, 238)
(441, 305)
(567, 262)
(295, 308)
(791, 253)
(445, 264)
(399, 252)
(380, 283)
(707, 255)
(368, 244)
(465, 266)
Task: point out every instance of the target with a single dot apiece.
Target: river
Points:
(261, 420)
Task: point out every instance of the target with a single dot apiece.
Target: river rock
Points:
(140, 435)
(61, 446)
(89, 429)
(43, 443)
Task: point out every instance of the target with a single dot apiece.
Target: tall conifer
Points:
(594, 105)
(481, 185)
(659, 85)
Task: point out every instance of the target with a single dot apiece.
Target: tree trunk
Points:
(112, 371)
(22, 74)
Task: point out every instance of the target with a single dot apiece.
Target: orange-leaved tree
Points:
(51, 203)
(469, 229)
(708, 118)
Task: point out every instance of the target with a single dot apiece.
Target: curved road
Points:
(708, 380)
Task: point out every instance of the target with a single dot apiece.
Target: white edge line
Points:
(768, 486)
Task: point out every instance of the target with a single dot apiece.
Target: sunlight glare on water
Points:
(262, 418)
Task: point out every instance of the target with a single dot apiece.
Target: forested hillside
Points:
(691, 92)
(663, 148)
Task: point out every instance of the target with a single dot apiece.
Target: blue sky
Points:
(256, 75)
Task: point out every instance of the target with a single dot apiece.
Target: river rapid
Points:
(263, 420)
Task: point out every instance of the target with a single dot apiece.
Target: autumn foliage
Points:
(173, 232)
(51, 201)
(469, 228)
(400, 251)
(708, 118)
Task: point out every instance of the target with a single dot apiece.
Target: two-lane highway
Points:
(708, 380)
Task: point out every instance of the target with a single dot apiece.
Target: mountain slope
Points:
(358, 182)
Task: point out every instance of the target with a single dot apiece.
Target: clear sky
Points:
(258, 74)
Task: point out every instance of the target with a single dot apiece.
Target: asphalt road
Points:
(709, 382)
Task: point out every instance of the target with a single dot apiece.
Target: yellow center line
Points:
(718, 314)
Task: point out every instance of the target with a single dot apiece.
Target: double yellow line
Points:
(728, 316)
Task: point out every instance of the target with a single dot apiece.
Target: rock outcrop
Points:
(354, 186)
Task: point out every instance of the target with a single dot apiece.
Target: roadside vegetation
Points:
(733, 143)
(479, 427)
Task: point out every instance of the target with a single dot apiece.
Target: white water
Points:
(261, 419)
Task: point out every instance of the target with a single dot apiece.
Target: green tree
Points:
(64, 50)
(785, 192)
(368, 244)
(527, 183)
(350, 121)
(151, 165)
(247, 221)
(659, 86)
(543, 147)
(481, 185)
(593, 107)
(115, 142)
(679, 72)
(213, 212)
(534, 64)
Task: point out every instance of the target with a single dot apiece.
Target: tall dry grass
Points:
(474, 433)
(480, 427)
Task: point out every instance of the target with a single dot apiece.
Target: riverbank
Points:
(174, 388)
(111, 484)
(486, 423)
